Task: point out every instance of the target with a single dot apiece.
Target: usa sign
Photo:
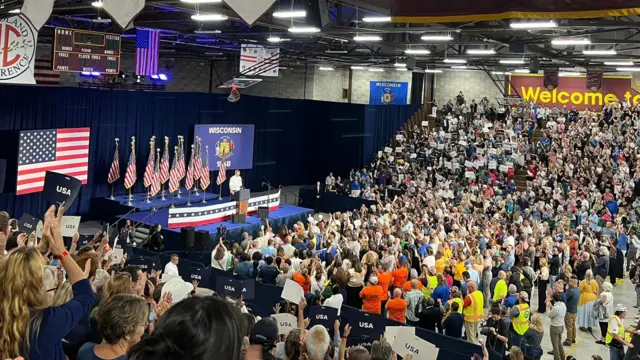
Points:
(18, 38)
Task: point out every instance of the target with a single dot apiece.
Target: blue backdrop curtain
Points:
(381, 122)
(296, 141)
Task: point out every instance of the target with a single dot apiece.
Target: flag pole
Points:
(188, 197)
(166, 151)
(173, 201)
(130, 196)
(152, 144)
(112, 197)
(181, 151)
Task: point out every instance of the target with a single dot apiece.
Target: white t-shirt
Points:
(235, 183)
(171, 269)
(219, 264)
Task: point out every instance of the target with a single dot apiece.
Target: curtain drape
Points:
(417, 88)
(296, 141)
(381, 123)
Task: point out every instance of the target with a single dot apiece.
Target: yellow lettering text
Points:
(590, 99)
(545, 96)
(529, 94)
(576, 98)
(555, 96)
(609, 98)
(636, 99)
(563, 97)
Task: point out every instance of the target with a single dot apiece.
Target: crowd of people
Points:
(453, 246)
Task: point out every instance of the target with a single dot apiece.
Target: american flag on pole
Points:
(164, 164)
(148, 170)
(181, 165)
(222, 173)
(188, 183)
(147, 49)
(174, 173)
(131, 176)
(198, 160)
(65, 151)
(155, 184)
(114, 171)
(44, 74)
(204, 177)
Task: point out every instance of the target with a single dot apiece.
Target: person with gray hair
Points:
(605, 311)
(318, 343)
(381, 350)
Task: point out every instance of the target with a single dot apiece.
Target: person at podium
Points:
(235, 183)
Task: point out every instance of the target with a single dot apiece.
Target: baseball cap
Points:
(524, 296)
(620, 308)
(178, 288)
(373, 279)
(264, 332)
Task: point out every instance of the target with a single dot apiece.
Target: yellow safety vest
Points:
(433, 282)
(474, 312)
(521, 323)
(609, 337)
(457, 300)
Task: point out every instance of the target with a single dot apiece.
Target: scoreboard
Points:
(77, 50)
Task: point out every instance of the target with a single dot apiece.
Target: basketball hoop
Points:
(234, 95)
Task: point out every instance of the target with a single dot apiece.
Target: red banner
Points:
(572, 91)
(421, 11)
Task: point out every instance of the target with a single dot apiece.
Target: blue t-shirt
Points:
(86, 353)
(355, 185)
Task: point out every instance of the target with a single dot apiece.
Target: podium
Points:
(242, 204)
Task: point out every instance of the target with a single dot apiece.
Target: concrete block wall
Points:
(473, 84)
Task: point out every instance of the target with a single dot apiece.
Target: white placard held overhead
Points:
(468, 163)
(286, 323)
(413, 156)
(509, 165)
(116, 256)
(391, 158)
(379, 154)
(292, 291)
(399, 148)
(399, 137)
(469, 174)
(388, 149)
(406, 342)
(440, 146)
(425, 123)
(70, 225)
(504, 168)
(357, 223)
(390, 332)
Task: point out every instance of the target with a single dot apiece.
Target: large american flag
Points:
(174, 173)
(44, 74)
(114, 171)
(155, 183)
(164, 165)
(147, 49)
(148, 170)
(222, 173)
(64, 151)
(188, 183)
(205, 180)
(131, 175)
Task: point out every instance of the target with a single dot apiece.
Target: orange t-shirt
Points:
(372, 296)
(303, 281)
(384, 279)
(400, 276)
(397, 308)
(407, 286)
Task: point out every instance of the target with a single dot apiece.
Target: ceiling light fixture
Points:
(367, 38)
(600, 52)
(14, 11)
(534, 25)
(326, 68)
(336, 52)
(459, 67)
(417, 52)
(401, 69)
(434, 71)
(436, 38)
(522, 71)
(201, 1)
(376, 69)
(481, 51)
(400, 65)
(501, 73)
(209, 17)
(274, 39)
(566, 41)
(455, 61)
(207, 32)
(618, 63)
(569, 73)
(97, 4)
(358, 68)
(512, 61)
(634, 69)
(376, 19)
(293, 14)
(304, 29)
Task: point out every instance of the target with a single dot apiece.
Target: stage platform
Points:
(106, 209)
(284, 215)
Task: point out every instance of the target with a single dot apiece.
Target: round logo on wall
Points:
(17, 46)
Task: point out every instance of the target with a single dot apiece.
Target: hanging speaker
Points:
(317, 13)
(411, 62)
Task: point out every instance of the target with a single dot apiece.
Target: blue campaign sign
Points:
(232, 144)
(388, 93)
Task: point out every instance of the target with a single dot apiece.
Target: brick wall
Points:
(473, 84)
